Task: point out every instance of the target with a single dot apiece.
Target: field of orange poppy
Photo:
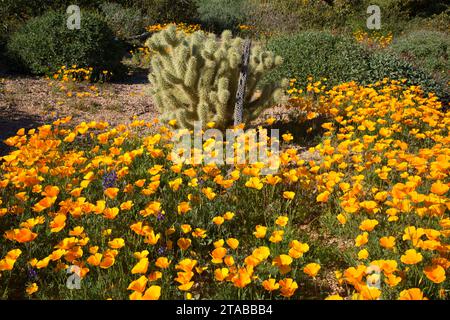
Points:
(365, 219)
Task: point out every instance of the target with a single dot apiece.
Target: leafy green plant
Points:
(388, 65)
(195, 77)
(428, 49)
(339, 59)
(164, 11)
(125, 22)
(319, 54)
(45, 43)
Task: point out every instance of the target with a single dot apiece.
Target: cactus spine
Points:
(195, 77)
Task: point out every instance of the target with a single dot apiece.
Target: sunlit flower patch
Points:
(78, 82)
(373, 40)
(107, 207)
(181, 26)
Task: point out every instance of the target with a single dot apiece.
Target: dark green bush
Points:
(45, 43)
(428, 49)
(163, 11)
(14, 13)
(340, 59)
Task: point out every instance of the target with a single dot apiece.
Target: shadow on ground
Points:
(11, 122)
(306, 134)
(135, 76)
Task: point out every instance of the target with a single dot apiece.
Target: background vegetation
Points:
(363, 163)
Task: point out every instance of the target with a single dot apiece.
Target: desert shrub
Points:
(438, 22)
(340, 59)
(25, 9)
(319, 54)
(397, 15)
(428, 49)
(168, 10)
(422, 8)
(382, 65)
(14, 13)
(409, 8)
(124, 22)
(218, 15)
(45, 43)
(286, 16)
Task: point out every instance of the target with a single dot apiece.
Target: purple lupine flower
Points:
(109, 179)
(32, 274)
(161, 250)
(160, 216)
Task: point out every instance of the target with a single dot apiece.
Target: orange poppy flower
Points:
(412, 294)
(184, 243)
(435, 273)
(111, 192)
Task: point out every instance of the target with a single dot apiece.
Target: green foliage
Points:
(125, 22)
(411, 8)
(397, 15)
(14, 13)
(438, 22)
(219, 15)
(382, 65)
(164, 11)
(195, 77)
(287, 16)
(45, 43)
(427, 49)
(28, 9)
(340, 59)
(319, 54)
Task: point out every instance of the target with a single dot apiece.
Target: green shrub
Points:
(45, 43)
(428, 49)
(397, 15)
(317, 53)
(438, 22)
(124, 22)
(164, 11)
(218, 15)
(385, 64)
(340, 59)
(13, 13)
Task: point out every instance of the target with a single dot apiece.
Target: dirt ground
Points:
(27, 102)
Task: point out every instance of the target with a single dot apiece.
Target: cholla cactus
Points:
(195, 77)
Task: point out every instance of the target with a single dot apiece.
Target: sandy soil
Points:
(27, 102)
